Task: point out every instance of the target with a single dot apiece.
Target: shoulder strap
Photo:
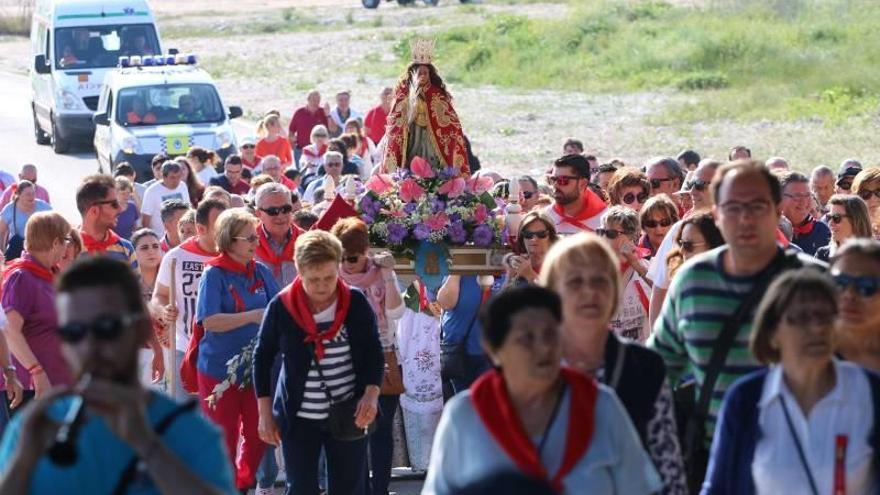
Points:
(731, 328)
(800, 449)
(324, 386)
(131, 470)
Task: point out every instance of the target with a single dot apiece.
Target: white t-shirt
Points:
(152, 203)
(187, 274)
(631, 319)
(206, 174)
(657, 270)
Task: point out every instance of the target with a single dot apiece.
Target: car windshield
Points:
(101, 46)
(169, 104)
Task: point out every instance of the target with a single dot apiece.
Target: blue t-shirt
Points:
(103, 456)
(455, 322)
(126, 220)
(818, 237)
(16, 225)
(216, 297)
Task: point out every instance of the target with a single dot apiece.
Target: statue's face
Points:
(424, 75)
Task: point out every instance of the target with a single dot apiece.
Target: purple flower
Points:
(447, 173)
(455, 217)
(437, 205)
(410, 207)
(369, 206)
(457, 233)
(396, 233)
(368, 219)
(483, 235)
(421, 232)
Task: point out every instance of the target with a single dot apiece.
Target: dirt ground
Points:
(341, 45)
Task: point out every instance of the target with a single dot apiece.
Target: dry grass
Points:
(15, 17)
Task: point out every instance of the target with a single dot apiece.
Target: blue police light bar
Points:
(169, 60)
(191, 60)
(159, 60)
(124, 62)
(148, 61)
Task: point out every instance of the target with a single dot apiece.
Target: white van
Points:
(74, 43)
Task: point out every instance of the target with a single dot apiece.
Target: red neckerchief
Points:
(805, 227)
(27, 264)
(645, 245)
(288, 183)
(593, 205)
(295, 300)
(493, 405)
(267, 253)
(93, 245)
(249, 270)
(192, 245)
(164, 244)
(316, 154)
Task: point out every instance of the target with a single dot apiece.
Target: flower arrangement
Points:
(424, 203)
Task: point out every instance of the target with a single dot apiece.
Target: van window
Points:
(101, 46)
(169, 104)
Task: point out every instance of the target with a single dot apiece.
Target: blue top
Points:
(16, 225)
(216, 297)
(818, 237)
(103, 456)
(126, 220)
(455, 322)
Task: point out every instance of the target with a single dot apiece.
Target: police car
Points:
(160, 104)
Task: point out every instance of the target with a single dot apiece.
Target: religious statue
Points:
(422, 122)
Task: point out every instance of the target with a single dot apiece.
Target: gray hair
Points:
(268, 189)
(217, 192)
(670, 164)
(333, 156)
(272, 159)
(821, 171)
(626, 218)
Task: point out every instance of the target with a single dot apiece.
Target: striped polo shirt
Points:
(337, 368)
(122, 250)
(700, 299)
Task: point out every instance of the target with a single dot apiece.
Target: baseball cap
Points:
(847, 172)
(248, 140)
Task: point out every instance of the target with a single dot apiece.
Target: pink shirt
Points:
(41, 193)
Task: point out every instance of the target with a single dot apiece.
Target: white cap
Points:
(248, 140)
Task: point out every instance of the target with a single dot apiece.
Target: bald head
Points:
(777, 163)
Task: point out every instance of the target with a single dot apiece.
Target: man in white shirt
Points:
(171, 187)
(191, 256)
(576, 208)
(341, 113)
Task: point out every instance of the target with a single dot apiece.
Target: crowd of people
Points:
(682, 325)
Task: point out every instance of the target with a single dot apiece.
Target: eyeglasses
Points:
(104, 327)
(837, 217)
(698, 184)
(562, 180)
(114, 203)
(655, 183)
(528, 194)
(610, 233)
(251, 238)
(629, 198)
(333, 164)
(688, 246)
(816, 316)
(247, 146)
(274, 211)
(653, 224)
(866, 195)
(801, 196)
(736, 209)
(541, 234)
(865, 286)
(351, 259)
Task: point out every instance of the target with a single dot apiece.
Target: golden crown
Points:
(422, 51)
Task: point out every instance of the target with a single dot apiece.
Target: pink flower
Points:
(380, 184)
(410, 191)
(453, 187)
(481, 213)
(480, 184)
(437, 222)
(395, 213)
(421, 168)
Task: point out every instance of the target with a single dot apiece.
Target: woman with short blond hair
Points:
(233, 293)
(332, 368)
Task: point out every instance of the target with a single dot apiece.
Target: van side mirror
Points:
(235, 112)
(173, 51)
(41, 66)
(100, 119)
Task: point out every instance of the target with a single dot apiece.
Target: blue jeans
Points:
(382, 445)
(346, 461)
(297, 152)
(267, 471)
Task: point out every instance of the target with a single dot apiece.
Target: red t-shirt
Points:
(375, 122)
(280, 148)
(302, 123)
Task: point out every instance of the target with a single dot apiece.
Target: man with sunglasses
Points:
(528, 188)
(129, 438)
(191, 256)
(797, 201)
(276, 231)
(333, 163)
(856, 270)
(231, 179)
(845, 178)
(97, 204)
(665, 175)
(576, 208)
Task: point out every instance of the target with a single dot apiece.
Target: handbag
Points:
(15, 244)
(392, 379)
(453, 356)
(340, 416)
(692, 410)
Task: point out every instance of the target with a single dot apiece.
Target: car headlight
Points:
(130, 145)
(70, 100)
(223, 139)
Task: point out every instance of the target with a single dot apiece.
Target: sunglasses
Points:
(274, 211)
(251, 238)
(528, 194)
(541, 234)
(104, 327)
(610, 233)
(114, 203)
(653, 224)
(698, 184)
(845, 185)
(562, 180)
(837, 217)
(247, 146)
(351, 259)
(629, 198)
(655, 183)
(866, 195)
(865, 286)
(688, 246)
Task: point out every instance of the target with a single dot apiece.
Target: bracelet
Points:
(35, 369)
